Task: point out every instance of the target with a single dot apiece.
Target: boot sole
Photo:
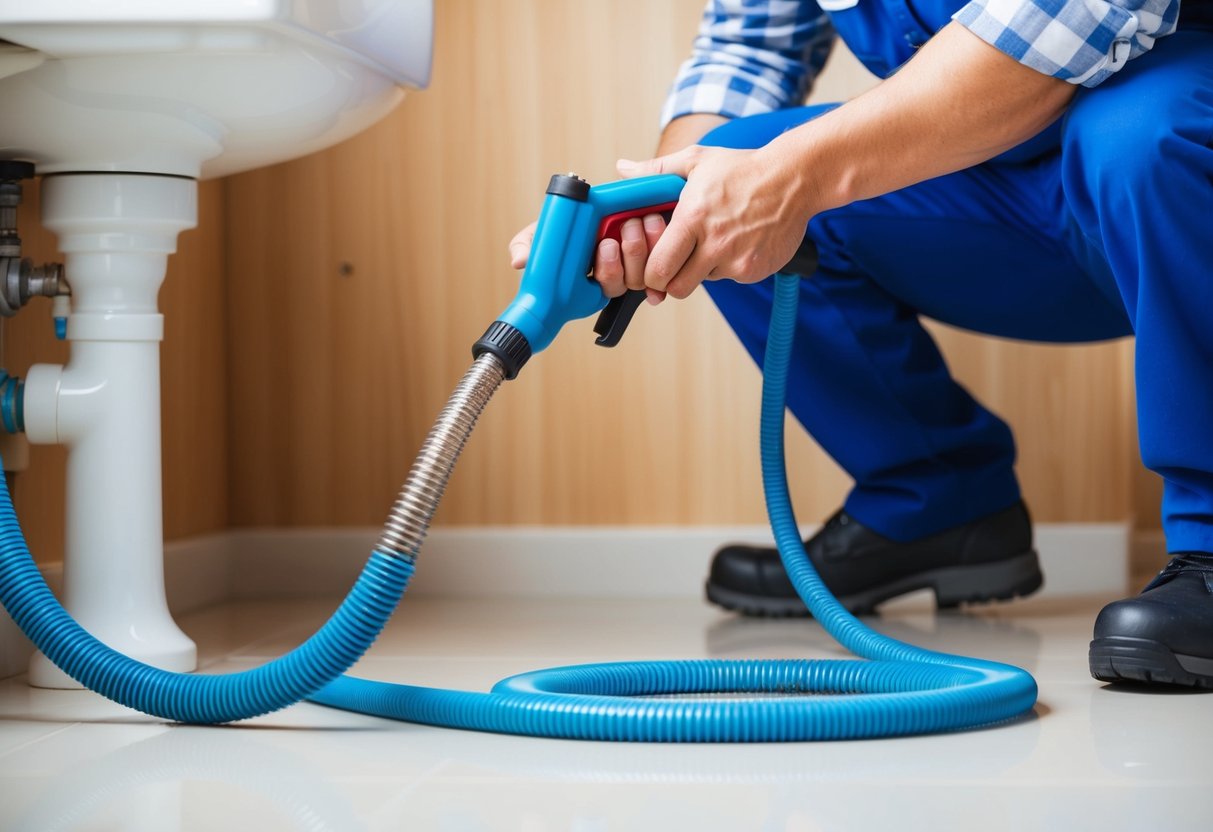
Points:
(998, 581)
(1121, 659)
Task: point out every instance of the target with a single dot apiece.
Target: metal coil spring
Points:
(410, 516)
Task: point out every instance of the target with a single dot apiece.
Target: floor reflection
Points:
(1005, 639)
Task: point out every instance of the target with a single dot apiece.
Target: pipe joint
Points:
(88, 403)
(12, 409)
(20, 279)
(24, 281)
(40, 403)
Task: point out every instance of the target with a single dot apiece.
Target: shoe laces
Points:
(1181, 562)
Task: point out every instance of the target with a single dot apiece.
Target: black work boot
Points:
(1164, 636)
(990, 558)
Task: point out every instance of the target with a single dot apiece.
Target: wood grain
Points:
(320, 314)
(193, 376)
(337, 371)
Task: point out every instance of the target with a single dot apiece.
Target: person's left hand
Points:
(741, 216)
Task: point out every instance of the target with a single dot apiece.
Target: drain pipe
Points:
(116, 231)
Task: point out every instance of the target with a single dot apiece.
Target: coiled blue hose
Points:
(901, 690)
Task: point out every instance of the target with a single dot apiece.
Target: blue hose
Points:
(185, 697)
(902, 690)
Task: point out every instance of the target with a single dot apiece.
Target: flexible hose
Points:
(901, 690)
(332, 650)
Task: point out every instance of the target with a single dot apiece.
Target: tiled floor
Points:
(1091, 758)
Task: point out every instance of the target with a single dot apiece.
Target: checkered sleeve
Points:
(1080, 41)
(751, 56)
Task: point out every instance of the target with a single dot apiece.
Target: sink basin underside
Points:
(251, 99)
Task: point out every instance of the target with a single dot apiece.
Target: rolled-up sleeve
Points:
(751, 57)
(1080, 41)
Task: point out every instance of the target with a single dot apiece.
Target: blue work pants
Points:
(1107, 233)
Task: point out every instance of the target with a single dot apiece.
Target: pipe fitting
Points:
(10, 198)
(44, 281)
(23, 281)
(20, 279)
(12, 407)
(40, 403)
(98, 393)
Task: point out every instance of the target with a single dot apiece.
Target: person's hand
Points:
(618, 266)
(741, 216)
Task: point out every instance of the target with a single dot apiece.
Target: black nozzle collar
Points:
(508, 344)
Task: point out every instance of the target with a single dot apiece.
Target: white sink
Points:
(200, 88)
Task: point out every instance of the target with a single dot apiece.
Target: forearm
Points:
(686, 131)
(958, 103)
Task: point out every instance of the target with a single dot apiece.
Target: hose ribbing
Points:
(329, 652)
(901, 690)
(904, 690)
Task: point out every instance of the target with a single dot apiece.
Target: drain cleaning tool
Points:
(900, 690)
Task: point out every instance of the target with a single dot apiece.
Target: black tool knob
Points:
(570, 185)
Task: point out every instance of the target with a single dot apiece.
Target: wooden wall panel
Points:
(193, 384)
(360, 277)
(193, 376)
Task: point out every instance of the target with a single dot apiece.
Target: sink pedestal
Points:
(116, 232)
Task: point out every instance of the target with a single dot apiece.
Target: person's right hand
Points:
(618, 266)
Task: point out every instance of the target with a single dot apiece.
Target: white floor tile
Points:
(1091, 757)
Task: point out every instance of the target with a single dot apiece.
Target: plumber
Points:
(1030, 169)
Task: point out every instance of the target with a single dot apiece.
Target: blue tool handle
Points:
(555, 287)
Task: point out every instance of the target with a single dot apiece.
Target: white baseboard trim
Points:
(1079, 559)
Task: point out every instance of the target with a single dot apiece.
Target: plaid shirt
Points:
(754, 56)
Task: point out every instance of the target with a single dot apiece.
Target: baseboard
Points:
(198, 571)
(1079, 559)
